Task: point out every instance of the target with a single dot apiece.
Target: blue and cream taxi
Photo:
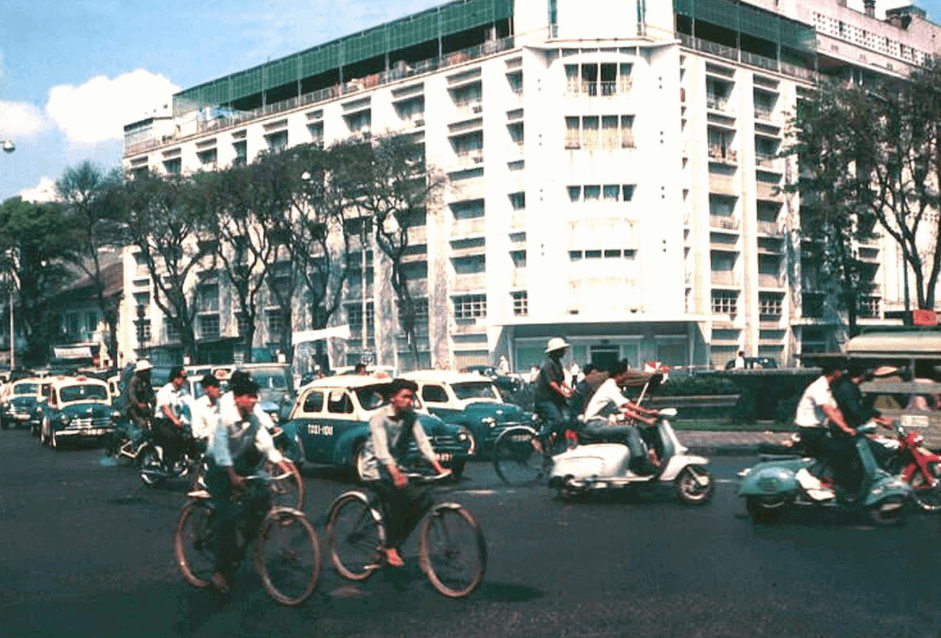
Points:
(18, 402)
(471, 401)
(77, 408)
(329, 425)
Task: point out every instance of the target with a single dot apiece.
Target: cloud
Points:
(98, 110)
(20, 119)
(45, 191)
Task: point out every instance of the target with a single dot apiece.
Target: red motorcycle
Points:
(905, 454)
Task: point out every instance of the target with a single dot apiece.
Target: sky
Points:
(74, 72)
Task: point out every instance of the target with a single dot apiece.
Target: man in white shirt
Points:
(609, 411)
(206, 410)
(815, 410)
(240, 444)
(167, 420)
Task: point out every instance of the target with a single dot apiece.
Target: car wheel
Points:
(42, 434)
(53, 442)
(471, 444)
(4, 424)
(457, 471)
(359, 462)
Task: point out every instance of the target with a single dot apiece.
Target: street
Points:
(87, 551)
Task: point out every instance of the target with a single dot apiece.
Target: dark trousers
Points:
(836, 452)
(402, 507)
(556, 417)
(629, 434)
(170, 438)
(253, 505)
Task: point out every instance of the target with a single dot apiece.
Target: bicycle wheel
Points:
(355, 535)
(453, 551)
(518, 458)
(288, 492)
(287, 556)
(193, 543)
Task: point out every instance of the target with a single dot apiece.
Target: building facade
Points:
(612, 174)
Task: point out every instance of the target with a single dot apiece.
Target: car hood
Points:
(436, 427)
(502, 412)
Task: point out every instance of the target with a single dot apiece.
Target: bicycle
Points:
(522, 455)
(287, 550)
(356, 536)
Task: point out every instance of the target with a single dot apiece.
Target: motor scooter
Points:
(597, 466)
(771, 487)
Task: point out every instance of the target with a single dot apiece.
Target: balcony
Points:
(769, 163)
(469, 283)
(327, 94)
(770, 228)
(717, 102)
(770, 281)
(724, 278)
(468, 227)
(724, 223)
(722, 156)
(467, 159)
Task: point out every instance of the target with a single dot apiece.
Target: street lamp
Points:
(8, 147)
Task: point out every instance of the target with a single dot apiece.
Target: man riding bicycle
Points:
(240, 444)
(391, 430)
(139, 404)
(551, 393)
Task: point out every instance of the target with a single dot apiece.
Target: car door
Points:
(436, 398)
(340, 418)
(309, 417)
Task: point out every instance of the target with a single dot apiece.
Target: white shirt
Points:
(607, 396)
(810, 412)
(230, 440)
(205, 418)
(168, 395)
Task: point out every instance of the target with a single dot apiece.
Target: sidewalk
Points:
(727, 443)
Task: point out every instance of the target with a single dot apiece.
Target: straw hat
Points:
(556, 343)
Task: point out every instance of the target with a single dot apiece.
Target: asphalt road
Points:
(87, 551)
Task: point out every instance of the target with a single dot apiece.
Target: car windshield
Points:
(475, 390)
(84, 392)
(373, 397)
(21, 389)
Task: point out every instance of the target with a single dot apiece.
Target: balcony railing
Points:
(745, 57)
(726, 156)
(329, 93)
(725, 223)
(770, 281)
(717, 102)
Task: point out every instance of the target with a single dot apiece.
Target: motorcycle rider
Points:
(391, 429)
(140, 395)
(609, 412)
(240, 443)
(551, 392)
(167, 423)
(815, 410)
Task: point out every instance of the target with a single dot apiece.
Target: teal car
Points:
(471, 401)
(329, 425)
(78, 409)
(19, 402)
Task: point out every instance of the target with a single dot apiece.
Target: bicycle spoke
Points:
(288, 557)
(453, 552)
(194, 544)
(354, 537)
(518, 458)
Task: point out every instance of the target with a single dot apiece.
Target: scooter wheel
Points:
(888, 512)
(694, 485)
(764, 509)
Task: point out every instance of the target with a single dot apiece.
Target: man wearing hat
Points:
(140, 395)
(206, 411)
(551, 392)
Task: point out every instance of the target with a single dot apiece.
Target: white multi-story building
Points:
(612, 168)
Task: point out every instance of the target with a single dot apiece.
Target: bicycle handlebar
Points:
(424, 477)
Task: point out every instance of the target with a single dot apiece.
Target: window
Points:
(592, 132)
(316, 133)
(209, 326)
(277, 142)
(592, 193)
(242, 323)
(609, 193)
(518, 201)
(572, 136)
(339, 402)
(208, 300)
(173, 166)
(520, 303)
(470, 306)
(724, 302)
(575, 193)
(313, 402)
(241, 153)
(91, 321)
(354, 314)
(274, 321)
(434, 394)
(593, 79)
(609, 132)
(207, 157)
(170, 329)
(770, 306)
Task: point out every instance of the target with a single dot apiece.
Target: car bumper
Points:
(84, 433)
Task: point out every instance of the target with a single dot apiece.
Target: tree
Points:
(35, 244)
(163, 224)
(834, 218)
(395, 188)
(94, 217)
(905, 170)
(224, 200)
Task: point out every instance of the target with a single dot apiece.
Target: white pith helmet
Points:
(556, 343)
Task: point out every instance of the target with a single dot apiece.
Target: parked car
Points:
(77, 408)
(19, 402)
(469, 400)
(506, 383)
(329, 425)
(39, 408)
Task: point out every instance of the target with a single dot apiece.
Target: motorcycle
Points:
(771, 487)
(154, 469)
(126, 443)
(906, 455)
(595, 466)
